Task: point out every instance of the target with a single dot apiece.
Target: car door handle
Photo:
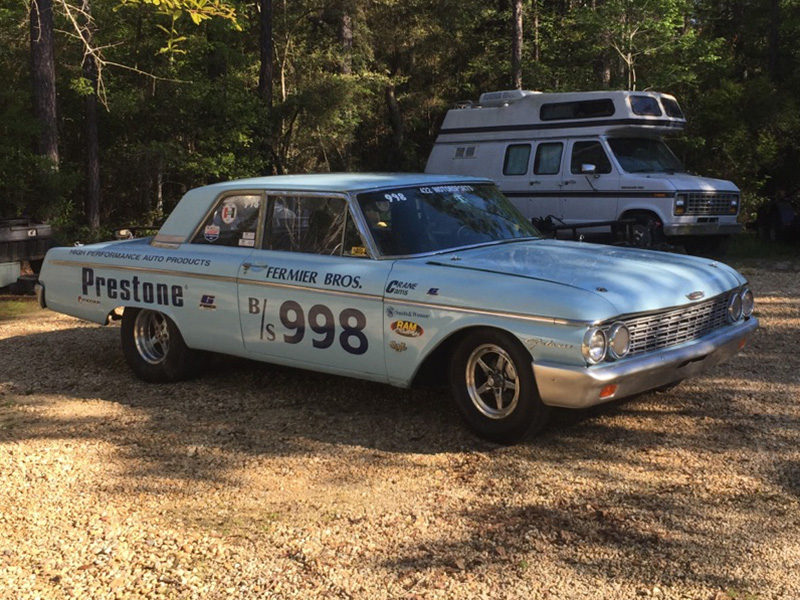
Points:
(534, 182)
(248, 265)
(569, 181)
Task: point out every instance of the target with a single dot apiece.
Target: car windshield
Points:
(645, 155)
(414, 220)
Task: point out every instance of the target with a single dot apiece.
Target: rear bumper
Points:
(39, 289)
(579, 387)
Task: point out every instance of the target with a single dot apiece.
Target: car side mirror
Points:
(588, 169)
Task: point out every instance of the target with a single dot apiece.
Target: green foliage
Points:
(180, 79)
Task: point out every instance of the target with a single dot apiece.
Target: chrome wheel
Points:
(492, 381)
(151, 336)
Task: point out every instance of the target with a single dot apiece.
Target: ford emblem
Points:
(696, 295)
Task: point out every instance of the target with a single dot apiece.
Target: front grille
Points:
(710, 203)
(666, 329)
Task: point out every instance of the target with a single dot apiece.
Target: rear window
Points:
(645, 106)
(583, 109)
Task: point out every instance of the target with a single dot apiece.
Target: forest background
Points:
(111, 109)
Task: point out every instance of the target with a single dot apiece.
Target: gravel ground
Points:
(264, 482)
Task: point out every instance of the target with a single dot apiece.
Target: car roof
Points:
(197, 202)
(341, 182)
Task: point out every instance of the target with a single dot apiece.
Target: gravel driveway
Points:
(263, 482)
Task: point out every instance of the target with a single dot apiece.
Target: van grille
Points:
(710, 203)
(673, 327)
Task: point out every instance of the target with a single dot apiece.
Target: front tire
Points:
(494, 388)
(154, 348)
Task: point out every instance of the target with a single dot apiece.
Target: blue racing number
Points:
(321, 322)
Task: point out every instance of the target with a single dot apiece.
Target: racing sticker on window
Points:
(211, 233)
(294, 320)
(228, 214)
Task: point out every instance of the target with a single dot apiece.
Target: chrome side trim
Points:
(161, 238)
(304, 288)
(167, 272)
(490, 313)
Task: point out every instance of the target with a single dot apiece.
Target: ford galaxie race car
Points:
(405, 279)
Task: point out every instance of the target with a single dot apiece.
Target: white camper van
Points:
(589, 157)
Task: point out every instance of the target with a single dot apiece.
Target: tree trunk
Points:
(346, 43)
(774, 22)
(43, 72)
(396, 120)
(90, 121)
(267, 52)
(516, 45)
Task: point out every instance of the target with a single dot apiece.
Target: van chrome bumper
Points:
(703, 229)
(579, 387)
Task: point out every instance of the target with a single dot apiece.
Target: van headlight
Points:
(595, 345)
(748, 302)
(619, 340)
(680, 204)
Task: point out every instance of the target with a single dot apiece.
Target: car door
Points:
(590, 190)
(311, 296)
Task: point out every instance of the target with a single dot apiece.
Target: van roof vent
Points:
(503, 97)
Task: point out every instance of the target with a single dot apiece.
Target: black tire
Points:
(493, 387)
(154, 348)
(647, 232)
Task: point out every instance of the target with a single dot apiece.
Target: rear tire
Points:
(154, 348)
(493, 387)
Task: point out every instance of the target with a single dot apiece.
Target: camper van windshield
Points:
(415, 220)
(645, 155)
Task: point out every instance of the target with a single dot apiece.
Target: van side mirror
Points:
(588, 169)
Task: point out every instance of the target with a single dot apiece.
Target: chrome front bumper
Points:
(579, 387)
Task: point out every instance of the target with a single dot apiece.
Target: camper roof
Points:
(516, 112)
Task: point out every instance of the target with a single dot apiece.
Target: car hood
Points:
(630, 279)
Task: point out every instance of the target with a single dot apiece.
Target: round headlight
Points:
(735, 308)
(619, 340)
(748, 302)
(594, 345)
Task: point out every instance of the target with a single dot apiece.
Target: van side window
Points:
(589, 153)
(516, 161)
(581, 109)
(548, 158)
(645, 106)
(672, 108)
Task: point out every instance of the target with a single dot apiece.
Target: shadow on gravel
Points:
(239, 410)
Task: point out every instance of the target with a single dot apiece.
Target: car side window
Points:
(233, 222)
(589, 153)
(548, 158)
(312, 225)
(516, 160)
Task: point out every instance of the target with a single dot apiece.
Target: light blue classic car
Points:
(407, 280)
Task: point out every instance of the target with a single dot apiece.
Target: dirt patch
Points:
(264, 482)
